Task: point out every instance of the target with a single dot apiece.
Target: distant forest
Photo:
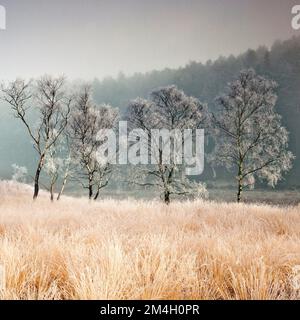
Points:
(206, 81)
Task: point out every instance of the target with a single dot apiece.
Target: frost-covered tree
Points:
(85, 123)
(53, 167)
(167, 109)
(19, 173)
(51, 104)
(250, 139)
(58, 166)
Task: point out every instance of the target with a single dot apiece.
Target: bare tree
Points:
(249, 136)
(49, 99)
(168, 109)
(85, 123)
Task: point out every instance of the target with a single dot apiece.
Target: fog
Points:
(88, 39)
(98, 38)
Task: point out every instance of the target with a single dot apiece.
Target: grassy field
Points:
(146, 250)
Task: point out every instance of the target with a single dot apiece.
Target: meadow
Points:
(137, 249)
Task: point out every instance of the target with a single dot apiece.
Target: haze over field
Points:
(203, 81)
(97, 38)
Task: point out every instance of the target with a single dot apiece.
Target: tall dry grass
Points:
(145, 250)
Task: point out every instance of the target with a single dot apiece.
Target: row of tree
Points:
(248, 136)
(205, 81)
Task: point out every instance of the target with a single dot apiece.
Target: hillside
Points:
(207, 81)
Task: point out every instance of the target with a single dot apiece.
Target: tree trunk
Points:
(37, 177)
(52, 192)
(97, 195)
(62, 188)
(167, 197)
(240, 182)
(90, 191)
(240, 190)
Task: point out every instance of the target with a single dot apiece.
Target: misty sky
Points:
(97, 38)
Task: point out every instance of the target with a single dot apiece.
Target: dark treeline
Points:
(206, 81)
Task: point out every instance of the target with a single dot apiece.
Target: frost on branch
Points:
(19, 173)
(86, 122)
(250, 140)
(167, 109)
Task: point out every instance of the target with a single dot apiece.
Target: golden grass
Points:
(145, 250)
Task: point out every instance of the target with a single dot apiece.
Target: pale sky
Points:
(98, 38)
